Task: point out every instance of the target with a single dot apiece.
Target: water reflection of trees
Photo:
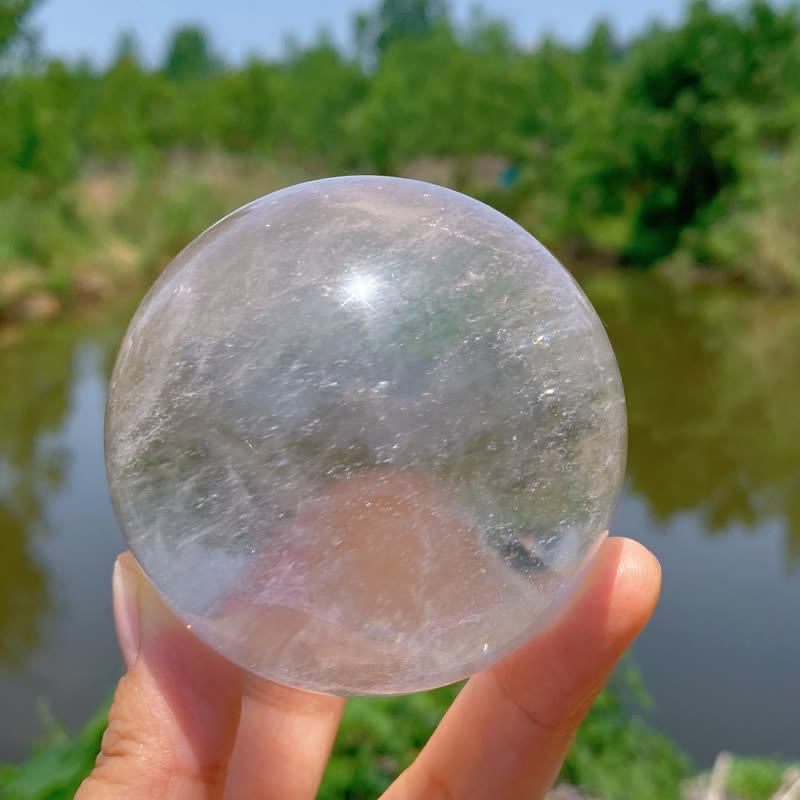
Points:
(38, 372)
(712, 379)
(37, 375)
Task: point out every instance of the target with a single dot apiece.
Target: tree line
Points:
(682, 142)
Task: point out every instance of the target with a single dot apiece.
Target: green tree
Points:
(15, 33)
(598, 56)
(127, 49)
(395, 20)
(674, 123)
(122, 118)
(445, 96)
(399, 19)
(243, 104)
(315, 92)
(190, 55)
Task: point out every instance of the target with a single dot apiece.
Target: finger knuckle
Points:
(121, 740)
(559, 717)
(129, 753)
(422, 780)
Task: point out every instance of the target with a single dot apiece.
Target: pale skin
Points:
(188, 725)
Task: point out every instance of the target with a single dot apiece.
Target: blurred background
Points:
(653, 145)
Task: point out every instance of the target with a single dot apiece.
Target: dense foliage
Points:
(680, 145)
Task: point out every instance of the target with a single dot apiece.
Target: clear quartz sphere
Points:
(362, 433)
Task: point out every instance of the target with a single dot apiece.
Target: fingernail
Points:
(140, 614)
(126, 612)
(155, 619)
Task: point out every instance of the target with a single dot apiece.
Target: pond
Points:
(712, 378)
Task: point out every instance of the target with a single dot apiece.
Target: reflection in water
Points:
(24, 596)
(713, 383)
(38, 375)
(57, 535)
(712, 380)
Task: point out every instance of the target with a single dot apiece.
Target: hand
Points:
(188, 725)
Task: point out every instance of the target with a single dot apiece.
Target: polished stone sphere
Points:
(363, 433)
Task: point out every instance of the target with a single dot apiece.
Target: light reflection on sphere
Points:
(362, 433)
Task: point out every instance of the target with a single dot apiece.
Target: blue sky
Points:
(77, 27)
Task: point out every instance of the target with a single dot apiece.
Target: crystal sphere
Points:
(362, 434)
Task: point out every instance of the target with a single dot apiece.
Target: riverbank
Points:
(116, 228)
(119, 225)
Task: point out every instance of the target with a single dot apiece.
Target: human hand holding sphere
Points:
(365, 436)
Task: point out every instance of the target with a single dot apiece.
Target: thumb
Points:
(173, 722)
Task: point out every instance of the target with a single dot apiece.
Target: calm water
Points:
(713, 385)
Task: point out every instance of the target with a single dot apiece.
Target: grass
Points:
(57, 765)
(615, 755)
(756, 778)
